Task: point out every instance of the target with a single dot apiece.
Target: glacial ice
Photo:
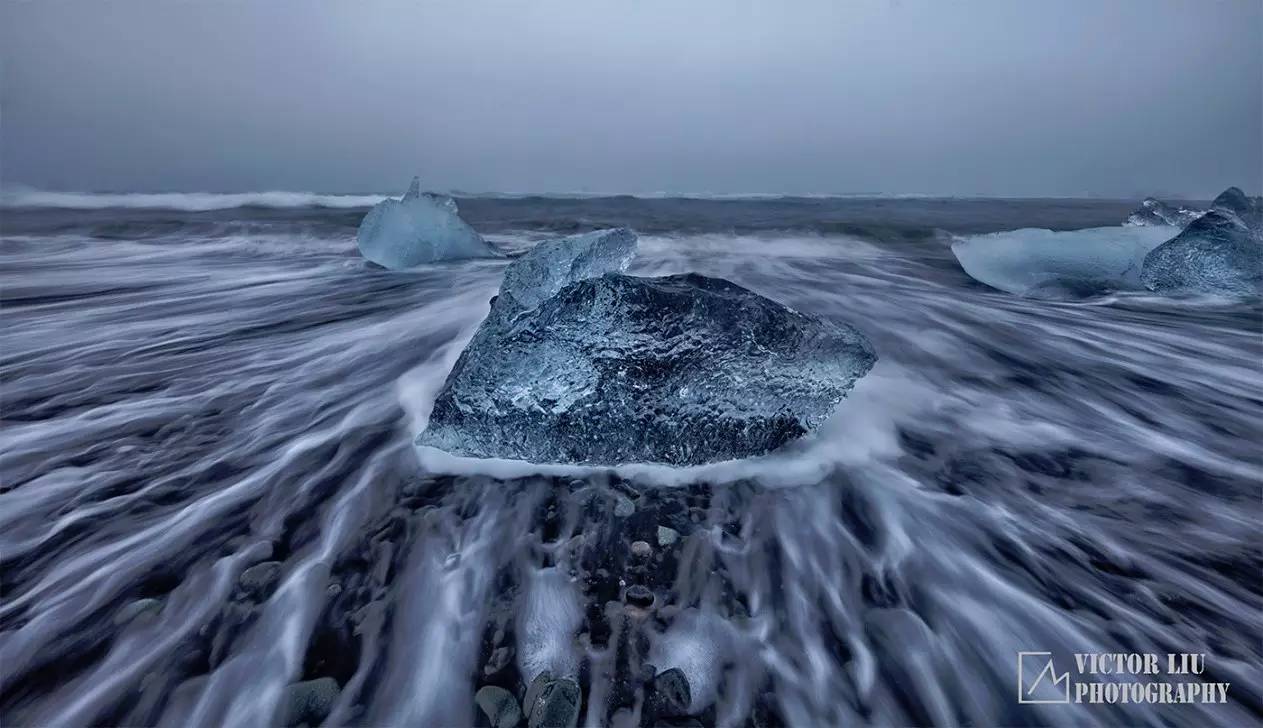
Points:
(1219, 253)
(1157, 212)
(1233, 200)
(681, 370)
(1046, 263)
(554, 264)
(419, 228)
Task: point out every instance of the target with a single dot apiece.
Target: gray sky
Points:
(991, 97)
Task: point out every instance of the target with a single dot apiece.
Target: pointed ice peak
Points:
(414, 189)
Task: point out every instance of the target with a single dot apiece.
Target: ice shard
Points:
(554, 264)
(1157, 212)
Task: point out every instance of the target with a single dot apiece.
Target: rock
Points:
(499, 706)
(623, 506)
(418, 228)
(259, 578)
(641, 549)
(682, 370)
(556, 705)
(309, 702)
(667, 536)
(639, 596)
(671, 695)
(1217, 253)
(534, 690)
(139, 609)
(498, 660)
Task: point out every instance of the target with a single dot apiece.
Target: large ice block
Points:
(616, 369)
(1059, 264)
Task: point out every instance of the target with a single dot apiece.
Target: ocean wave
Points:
(282, 199)
(187, 201)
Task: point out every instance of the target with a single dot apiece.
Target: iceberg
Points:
(1219, 253)
(579, 363)
(1157, 212)
(1051, 264)
(418, 228)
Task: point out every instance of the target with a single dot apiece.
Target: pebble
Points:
(556, 706)
(310, 701)
(260, 577)
(138, 608)
(499, 706)
(667, 536)
(639, 596)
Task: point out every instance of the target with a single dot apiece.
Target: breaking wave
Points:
(186, 201)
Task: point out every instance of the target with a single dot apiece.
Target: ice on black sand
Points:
(578, 363)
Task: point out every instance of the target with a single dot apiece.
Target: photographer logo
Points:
(1116, 677)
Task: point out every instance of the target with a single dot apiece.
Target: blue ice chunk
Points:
(1059, 264)
(617, 369)
(1218, 253)
(419, 228)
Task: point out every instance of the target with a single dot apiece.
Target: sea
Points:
(212, 512)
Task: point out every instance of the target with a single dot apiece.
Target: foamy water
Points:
(209, 492)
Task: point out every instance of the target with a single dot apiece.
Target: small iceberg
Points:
(1065, 264)
(419, 228)
(1218, 253)
(579, 363)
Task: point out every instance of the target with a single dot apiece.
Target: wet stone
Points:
(556, 705)
(641, 549)
(260, 577)
(141, 608)
(671, 694)
(500, 658)
(309, 702)
(623, 506)
(499, 706)
(667, 536)
(639, 596)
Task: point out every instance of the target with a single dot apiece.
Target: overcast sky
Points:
(969, 97)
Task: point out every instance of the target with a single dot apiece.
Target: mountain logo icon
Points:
(1038, 682)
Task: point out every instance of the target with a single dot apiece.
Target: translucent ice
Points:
(1044, 263)
(1217, 253)
(1248, 210)
(419, 228)
(1233, 200)
(1157, 212)
(681, 370)
(554, 264)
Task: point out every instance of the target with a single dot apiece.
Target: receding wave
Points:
(212, 512)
